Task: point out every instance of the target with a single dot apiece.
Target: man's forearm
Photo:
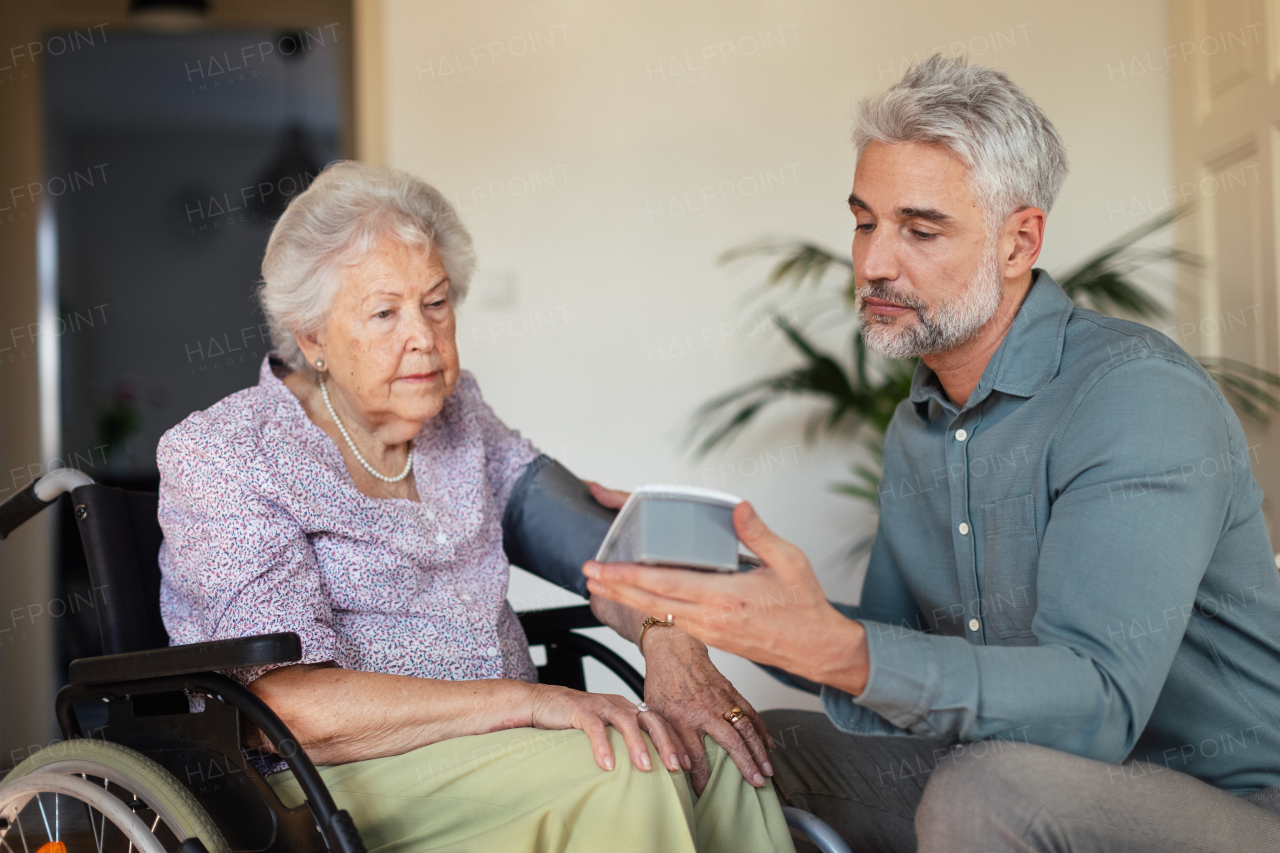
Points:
(834, 652)
(839, 657)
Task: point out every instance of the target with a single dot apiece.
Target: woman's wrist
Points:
(527, 700)
(664, 639)
(649, 624)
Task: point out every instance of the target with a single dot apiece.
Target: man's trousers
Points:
(890, 794)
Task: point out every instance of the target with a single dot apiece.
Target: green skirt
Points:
(535, 790)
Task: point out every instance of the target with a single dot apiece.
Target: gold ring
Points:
(735, 714)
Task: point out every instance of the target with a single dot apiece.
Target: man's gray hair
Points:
(1014, 155)
(338, 221)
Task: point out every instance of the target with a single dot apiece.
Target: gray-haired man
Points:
(1069, 635)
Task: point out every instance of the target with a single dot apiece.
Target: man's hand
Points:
(776, 614)
(685, 688)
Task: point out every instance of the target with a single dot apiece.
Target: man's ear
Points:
(1022, 240)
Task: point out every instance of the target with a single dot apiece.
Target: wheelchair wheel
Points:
(98, 797)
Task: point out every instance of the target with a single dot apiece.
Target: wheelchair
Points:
(152, 757)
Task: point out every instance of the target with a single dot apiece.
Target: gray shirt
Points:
(1077, 558)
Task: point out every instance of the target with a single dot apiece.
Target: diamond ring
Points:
(642, 707)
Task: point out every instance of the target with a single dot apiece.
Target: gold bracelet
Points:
(644, 629)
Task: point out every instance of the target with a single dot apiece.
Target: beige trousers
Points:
(534, 790)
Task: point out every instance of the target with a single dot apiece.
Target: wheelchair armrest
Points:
(565, 649)
(213, 656)
(538, 624)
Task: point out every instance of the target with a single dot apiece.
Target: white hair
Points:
(1013, 153)
(338, 222)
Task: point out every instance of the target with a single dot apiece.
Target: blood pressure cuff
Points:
(552, 525)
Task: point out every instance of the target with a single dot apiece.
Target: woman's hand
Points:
(553, 707)
(683, 685)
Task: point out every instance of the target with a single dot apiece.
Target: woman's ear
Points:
(310, 346)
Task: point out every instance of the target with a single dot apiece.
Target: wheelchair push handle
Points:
(27, 503)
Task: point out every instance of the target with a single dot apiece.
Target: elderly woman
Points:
(354, 496)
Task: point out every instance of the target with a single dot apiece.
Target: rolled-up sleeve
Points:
(886, 598)
(234, 562)
(1133, 522)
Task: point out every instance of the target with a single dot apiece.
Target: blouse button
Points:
(441, 538)
(492, 651)
(464, 596)
(431, 516)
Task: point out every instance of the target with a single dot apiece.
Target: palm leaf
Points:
(820, 375)
(1245, 386)
(800, 261)
(1102, 281)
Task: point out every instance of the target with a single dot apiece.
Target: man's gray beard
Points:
(946, 327)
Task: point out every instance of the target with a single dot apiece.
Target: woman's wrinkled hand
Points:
(694, 697)
(554, 707)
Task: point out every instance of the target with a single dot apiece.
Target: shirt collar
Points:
(271, 378)
(1026, 359)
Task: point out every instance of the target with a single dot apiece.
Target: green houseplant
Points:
(857, 398)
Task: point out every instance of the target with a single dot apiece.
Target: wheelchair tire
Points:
(156, 787)
(16, 796)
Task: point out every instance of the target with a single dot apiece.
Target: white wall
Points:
(599, 319)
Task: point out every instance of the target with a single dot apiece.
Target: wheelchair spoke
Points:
(133, 807)
(93, 827)
(98, 835)
(21, 834)
(45, 817)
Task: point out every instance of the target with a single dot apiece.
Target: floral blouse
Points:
(264, 531)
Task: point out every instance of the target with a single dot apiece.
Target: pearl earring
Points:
(319, 364)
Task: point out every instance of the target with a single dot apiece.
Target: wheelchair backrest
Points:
(121, 537)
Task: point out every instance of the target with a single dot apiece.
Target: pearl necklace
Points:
(408, 463)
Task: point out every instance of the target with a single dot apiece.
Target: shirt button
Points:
(974, 624)
(441, 538)
(964, 528)
(961, 435)
(492, 651)
(431, 516)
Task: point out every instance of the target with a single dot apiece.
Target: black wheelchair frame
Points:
(145, 694)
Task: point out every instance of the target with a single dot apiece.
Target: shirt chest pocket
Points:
(1010, 552)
